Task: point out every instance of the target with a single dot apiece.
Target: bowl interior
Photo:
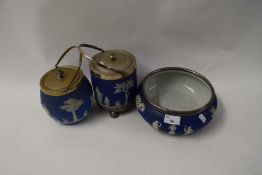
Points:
(177, 90)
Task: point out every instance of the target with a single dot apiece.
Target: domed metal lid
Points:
(61, 81)
(113, 64)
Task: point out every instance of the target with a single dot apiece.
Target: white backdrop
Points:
(221, 39)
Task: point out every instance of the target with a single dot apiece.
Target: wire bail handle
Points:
(61, 73)
(98, 63)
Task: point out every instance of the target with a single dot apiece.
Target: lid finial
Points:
(60, 75)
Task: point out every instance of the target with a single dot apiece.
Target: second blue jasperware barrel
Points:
(114, 81)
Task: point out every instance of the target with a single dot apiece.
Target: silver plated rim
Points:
(173, 112)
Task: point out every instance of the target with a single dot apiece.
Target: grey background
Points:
(220, 39)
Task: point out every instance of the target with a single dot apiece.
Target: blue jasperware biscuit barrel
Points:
(66, 93)
(114, 81)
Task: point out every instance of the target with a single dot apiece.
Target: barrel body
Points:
(72, 107)
(115, 95)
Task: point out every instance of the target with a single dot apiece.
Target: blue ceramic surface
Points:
(175, 124)
(115, 95)
(70, 108)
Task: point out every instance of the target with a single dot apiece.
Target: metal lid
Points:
(116, 64)
(61, 80)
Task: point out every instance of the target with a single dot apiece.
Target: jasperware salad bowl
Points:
(176, 100)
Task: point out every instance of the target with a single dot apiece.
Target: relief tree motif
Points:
(124, 87)
(72, 105)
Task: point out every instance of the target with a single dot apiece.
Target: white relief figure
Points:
(107, 102)
(92, 100)
(124, 87)
(117, 104)
(72, 105)
(172, 129)
(65, 121)
(202, 118)
(85, 113)
(188, 130)
(213, 111)
(156, 124)
(139, 104)
(99, 95)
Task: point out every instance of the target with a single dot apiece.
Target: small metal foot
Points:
(114, 114)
